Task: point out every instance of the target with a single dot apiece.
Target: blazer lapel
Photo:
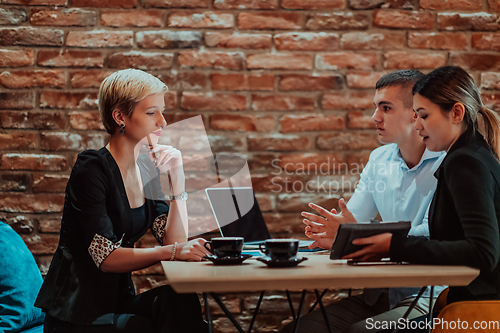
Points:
(125, 212)
(434, 201)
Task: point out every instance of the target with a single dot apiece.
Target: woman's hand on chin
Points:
(166, 158)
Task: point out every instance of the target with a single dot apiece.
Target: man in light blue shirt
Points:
(387, 186)
(398, 183)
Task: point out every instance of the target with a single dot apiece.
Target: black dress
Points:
(96, 220)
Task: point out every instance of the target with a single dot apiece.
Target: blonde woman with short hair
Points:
(108, 207)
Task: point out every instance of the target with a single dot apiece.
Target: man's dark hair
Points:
(405, 79)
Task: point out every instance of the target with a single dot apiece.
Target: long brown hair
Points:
(448, 85)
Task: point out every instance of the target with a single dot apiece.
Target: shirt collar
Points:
(427, 155)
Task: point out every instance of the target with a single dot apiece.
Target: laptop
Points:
(238, 214)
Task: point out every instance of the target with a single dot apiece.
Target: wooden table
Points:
(318, 272)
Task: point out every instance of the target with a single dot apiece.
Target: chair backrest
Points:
(20, 282)
(441, 301)
(470, 316)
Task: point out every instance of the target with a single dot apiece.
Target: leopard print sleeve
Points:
(101, 247)
(158, 228)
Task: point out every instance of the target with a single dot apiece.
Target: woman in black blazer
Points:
(112, 198)
(464, 214)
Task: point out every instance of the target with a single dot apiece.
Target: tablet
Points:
(348, 232)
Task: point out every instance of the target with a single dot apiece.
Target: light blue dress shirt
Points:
(387, 186)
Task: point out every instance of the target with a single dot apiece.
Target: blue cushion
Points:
(20, 282)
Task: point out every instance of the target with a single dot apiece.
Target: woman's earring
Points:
(122, 129)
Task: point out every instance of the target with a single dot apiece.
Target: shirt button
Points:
(403, 199)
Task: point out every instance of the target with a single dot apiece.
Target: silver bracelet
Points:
(173, 252)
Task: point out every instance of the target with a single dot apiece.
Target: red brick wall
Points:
(283, 80)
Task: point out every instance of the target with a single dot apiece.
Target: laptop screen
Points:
(237, 213)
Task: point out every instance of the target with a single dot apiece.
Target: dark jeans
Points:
(422, 320)
(354, 315)
(159, 310)
(341, 315)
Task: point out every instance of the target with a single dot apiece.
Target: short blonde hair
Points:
(122, 90)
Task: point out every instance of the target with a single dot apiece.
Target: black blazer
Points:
(464, 219)
(75, 289)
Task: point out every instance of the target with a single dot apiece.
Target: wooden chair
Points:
(486, 313)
